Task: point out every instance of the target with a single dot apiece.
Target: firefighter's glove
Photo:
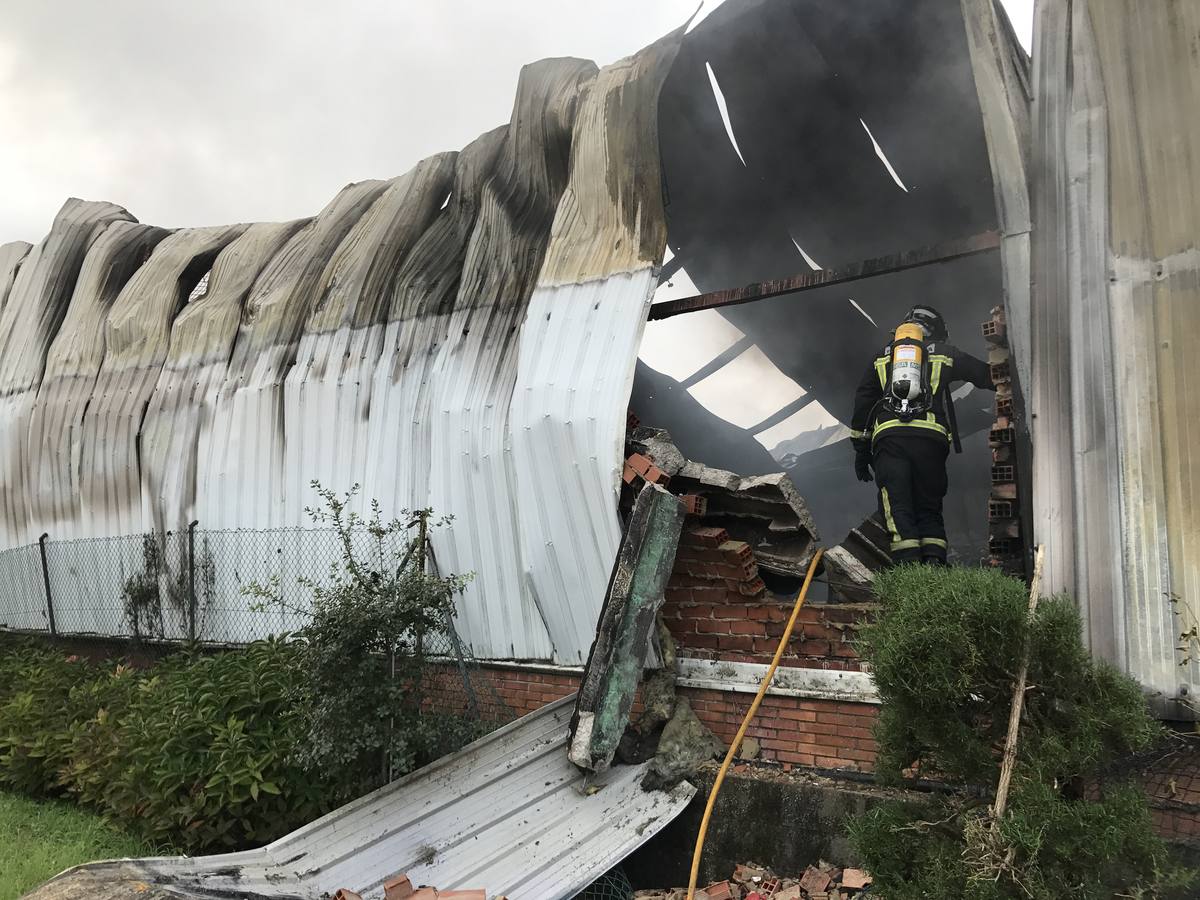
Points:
(862, 465)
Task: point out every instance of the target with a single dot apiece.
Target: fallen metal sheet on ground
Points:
(508, 813)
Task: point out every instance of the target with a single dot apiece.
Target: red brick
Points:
(709, 595)
(794, 757)
(398, 888)
(735, 642)
(752, 588)
(639, 463)
(706, 536)
(736, 551)
(742, 626)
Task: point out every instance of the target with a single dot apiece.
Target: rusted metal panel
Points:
(868, 268)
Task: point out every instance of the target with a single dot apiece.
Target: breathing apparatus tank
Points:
(907, 389)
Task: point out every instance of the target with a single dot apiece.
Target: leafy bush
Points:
(945, 652)
(363, 655)
(200, 756)
(235, 749)
(195, 754)
(35, 711)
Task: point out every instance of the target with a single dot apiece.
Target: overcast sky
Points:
(205, 112)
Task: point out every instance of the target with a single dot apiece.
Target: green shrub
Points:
(945, 651)
(363, 656)
(195, 754)
(199, 755)
(35, 713)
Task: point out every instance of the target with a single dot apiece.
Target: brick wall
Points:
(717, 606)
(790, 730)
(794, 731)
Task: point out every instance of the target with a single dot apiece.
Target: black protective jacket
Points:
(948, 365)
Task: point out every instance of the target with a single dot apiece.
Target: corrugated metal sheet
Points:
(35, 308)
(12, 255)
(1117, 287)
(1001, 70)
(463, 336)
(509, 814)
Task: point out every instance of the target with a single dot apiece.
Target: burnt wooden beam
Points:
(868, 268)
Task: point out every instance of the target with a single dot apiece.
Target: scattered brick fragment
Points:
(346, 894)
(473, 894)
(397, 888)
(855, 878)
(814, 880)
(721, 890)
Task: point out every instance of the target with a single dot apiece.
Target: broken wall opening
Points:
(858, 136)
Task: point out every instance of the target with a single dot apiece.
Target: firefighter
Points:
(903, 426)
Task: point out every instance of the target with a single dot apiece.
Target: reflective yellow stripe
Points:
(933, 542)
(887, 515)
(930, 423)
(935, 378)
(857, 434)
(910, 544)
(881, 370)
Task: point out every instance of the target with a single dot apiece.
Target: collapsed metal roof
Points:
(509, 813)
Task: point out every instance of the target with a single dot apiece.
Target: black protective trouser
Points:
(910, 471)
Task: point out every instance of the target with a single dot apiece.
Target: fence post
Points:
(192, 580)
(46, 582)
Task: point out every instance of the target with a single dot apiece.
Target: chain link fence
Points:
(191, 587)
(179, 586)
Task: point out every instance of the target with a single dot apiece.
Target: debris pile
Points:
(751, 881)
(401, 888)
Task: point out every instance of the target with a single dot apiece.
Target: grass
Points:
(39, 839)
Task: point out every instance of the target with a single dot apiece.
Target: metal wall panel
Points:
(1117, 288)
(463, 337)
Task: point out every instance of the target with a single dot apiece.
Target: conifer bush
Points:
(945, 652)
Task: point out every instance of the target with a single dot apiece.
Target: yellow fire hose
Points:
(737, 741)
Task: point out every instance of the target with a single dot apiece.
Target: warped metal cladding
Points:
(12, 255)
(183, 401)
(137, 335)
(462, 337)
(52, 490)
(509, 814)
(35, 308)
(1116, 316)
(239, 478)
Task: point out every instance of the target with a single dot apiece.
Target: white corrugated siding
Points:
(475, 356)
(1116, 314)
